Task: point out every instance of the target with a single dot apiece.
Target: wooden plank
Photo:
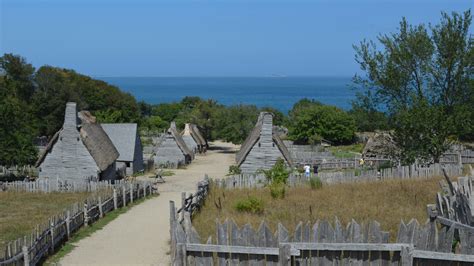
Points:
(431, 255)
(221, 241)
(238, 249)
(348, 246)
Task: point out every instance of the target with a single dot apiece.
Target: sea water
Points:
(278, 92)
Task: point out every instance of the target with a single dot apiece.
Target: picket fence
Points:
(16, 170)
(318, 244)
(47, 238)
(61, 185)
(402, 172)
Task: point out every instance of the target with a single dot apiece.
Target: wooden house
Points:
(194, 139)
(263, 147)
(80, 150)
(172, 151)
(126, 139)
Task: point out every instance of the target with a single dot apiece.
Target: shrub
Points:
(315, 183)
(234, 170)
(278, 173)
(250, 205)
(277, 190)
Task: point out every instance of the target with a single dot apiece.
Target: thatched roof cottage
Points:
(193, 138)
(263, 147)
(172, 151)
(80, 150)
(126, 139)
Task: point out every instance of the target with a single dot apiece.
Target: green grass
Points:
(88, 231)
(346, 151)
(21, 212)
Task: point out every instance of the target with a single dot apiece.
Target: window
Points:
(259, 145)
(127, 164)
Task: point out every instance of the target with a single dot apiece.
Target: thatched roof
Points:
(95, 140)
(179, 140)
(253, 138)
(124, 138)
(379, 144)
(193, 131)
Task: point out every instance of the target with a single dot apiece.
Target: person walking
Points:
(307, 170)
(315, 170)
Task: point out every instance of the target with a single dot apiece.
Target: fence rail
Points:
(46, 238)
(403, 172)
(318, 244)
(60, 185)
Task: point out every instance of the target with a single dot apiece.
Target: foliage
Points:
(311, 122)
(153, 123)
(277, 190)
(278, 173)
(251, 205)
(235, 123)
(315, 183)
(422, 79)
(234, 170)
(346, 151)
(365, 114)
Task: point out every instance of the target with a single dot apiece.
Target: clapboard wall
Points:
(168, 152)
(264, 152)
(69, 157)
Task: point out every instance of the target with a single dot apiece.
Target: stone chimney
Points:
(70, 116)
(187, 129)
(173, 125)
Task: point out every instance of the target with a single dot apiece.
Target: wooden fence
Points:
(193, 202)
(60, 185)
(19, 171)
(318, 244)
(47, 238)
(403, 172)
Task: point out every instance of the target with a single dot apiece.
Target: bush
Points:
(315, 183)
(277, 190)
(234, 170)
(250, 205)
(278, 173)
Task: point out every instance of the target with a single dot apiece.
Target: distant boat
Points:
(278, 76)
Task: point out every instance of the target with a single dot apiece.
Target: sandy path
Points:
(141, 235)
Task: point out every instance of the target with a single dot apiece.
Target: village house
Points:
(79, 151)
(194, 139)
(262, 148)
(172, 151)
(127, 141)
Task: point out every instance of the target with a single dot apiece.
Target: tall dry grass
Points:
(20, 212)
(387, 202)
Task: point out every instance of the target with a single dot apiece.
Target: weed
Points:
(250, 205)
(315, 183)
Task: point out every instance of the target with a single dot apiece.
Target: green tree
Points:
(17, 78)
(234, 123)
(422, 70)
(311, 122)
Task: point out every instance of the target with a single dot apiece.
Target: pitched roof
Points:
(95, 140)
(179, 140)
(380, 143)
(254, 136)
(123, 137)
(193, 131)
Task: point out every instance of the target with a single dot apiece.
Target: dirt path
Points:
(141, 235)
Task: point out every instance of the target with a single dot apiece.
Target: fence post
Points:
(86, 218)
(26, 255)
(406, 255)
(284, 256)
(115, 199)
(68, 224)
(131, 193)
(124, 196)
(181, 255)
(183, 204)
(101, 210)
(51, 231)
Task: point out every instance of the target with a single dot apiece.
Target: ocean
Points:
(278, 92)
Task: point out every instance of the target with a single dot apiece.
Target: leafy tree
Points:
(17, 78)
(366, 115)
(234, 123)
(167, 111)
(311, 122)
(422, 70)
(16, 133)
(279, 119)
(154, 124)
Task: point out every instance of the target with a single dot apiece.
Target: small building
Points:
(379, 148)
(79, 151)
(194, 139)
(263, 147)
(126, 139)
(172, 151)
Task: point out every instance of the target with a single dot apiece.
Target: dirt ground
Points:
(141, 236)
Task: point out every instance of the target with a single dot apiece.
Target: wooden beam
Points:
(423, 254)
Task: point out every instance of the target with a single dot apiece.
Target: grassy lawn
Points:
(346, 151)
(387, 202)
(20, 212)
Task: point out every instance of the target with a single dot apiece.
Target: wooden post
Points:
(101, 210)
(124, 196)
(183, 204)
(51, 231)
(86, 218)
(115, 199)
(181, 255)
(406, 255)
(26, 255)
(284, 257)
(131, 193)
(68, 224)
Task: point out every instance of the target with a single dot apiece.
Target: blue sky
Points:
(204, 38)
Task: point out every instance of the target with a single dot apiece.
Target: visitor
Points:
(307, 170)
(315, 170)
